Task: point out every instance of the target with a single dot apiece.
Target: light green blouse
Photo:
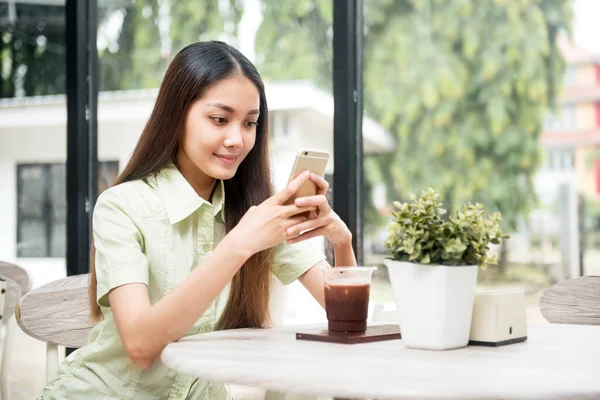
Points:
(154, 232)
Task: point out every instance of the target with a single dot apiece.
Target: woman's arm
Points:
(327, 223)
(313, 280)
(344, 254)
(146, 329)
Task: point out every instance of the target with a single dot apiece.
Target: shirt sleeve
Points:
(119, 257)
(291, 261)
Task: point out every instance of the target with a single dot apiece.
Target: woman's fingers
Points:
(295, 221)
(319, 201)
(322, 184)
(291, 188)
(292, 209)
(308, 235)
(295, 230)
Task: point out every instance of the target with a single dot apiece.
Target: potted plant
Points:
(433, 268)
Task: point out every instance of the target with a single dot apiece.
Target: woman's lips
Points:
(227, 158)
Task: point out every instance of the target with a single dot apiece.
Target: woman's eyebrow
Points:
(230, 109)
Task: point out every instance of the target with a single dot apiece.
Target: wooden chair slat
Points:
(576, 301)
(58, 312)
(17, 274)
(13, 293)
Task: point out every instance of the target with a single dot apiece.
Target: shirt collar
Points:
(181, 200)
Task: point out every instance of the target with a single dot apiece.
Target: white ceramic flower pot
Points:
(435, 303)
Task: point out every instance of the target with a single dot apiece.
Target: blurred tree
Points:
(136, 41)
(153, 31)
(484, 79)
(464, 85)
(294, 41)
(132, 56)
(32, 50)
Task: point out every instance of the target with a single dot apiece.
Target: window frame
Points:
(46, 218)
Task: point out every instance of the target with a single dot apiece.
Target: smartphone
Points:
(311, 160)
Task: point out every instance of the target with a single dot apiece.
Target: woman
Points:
(187, 239)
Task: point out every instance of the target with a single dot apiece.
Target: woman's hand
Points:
(323, 222)
(266, 225)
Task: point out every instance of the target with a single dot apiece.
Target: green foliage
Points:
(135, 60)
(294, 41)
(151, 33)
(154, 31)
(32, 52)
(464, 86)
(419, 234)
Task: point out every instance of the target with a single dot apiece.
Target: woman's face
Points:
(220, 129)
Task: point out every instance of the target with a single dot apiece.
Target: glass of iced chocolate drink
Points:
(347, 297)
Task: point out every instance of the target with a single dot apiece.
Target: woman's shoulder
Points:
(139, 198)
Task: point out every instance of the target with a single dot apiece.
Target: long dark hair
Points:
(196, 68)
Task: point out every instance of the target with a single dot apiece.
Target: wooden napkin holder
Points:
(499, 318)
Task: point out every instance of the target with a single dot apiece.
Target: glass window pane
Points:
(289, 42)
(107, 174)
(58, 239)
(474, 93)
(43, 188)
(32, 187)
(33, 239)
(33, 138)
(58, 188)
(42, 195)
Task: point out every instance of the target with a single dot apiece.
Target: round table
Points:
(555, 361)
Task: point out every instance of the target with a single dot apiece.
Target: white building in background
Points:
(33, 144)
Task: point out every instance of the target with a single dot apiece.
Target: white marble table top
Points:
(556, 361)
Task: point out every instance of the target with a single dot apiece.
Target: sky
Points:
(586, 26)
(249, 24)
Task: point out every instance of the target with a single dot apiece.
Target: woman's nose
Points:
(234, 137)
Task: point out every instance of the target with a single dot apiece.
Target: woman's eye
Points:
(219, 120)
(251, 123)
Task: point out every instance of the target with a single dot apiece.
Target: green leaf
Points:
(421, 236)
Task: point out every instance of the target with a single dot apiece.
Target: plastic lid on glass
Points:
(347, 275)
(340, 269)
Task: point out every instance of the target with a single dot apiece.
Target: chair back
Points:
(57, 313)
(17, 274)
(11, 292)
(576, 301)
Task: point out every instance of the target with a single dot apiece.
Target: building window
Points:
(271, 125)
(285, 126)
(42, 206)
(279, 124)
(564, 121)
(597, 173)
(570, 76)
(560, 159)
